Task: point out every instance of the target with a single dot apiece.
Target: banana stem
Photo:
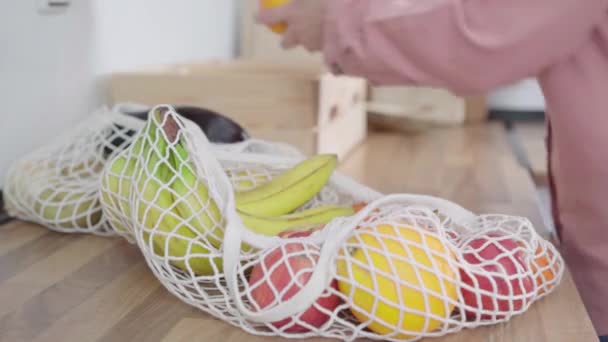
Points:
(168, 124)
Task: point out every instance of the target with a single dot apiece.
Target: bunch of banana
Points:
(181, 219)
(174, 205)
(67, 207)
(58, 195)
(116, 189)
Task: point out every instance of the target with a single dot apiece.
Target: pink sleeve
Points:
(468, 46)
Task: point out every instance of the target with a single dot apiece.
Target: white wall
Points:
(136, 33)
(50, 64)
(525, 95)
(47, 68)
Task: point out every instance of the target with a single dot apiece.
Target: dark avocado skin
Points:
(218, 128)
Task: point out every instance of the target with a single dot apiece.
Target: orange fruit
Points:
(267, 4)
(543, 260)
(359, 206)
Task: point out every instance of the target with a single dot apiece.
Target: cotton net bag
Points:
(400, 267)
(57, 185)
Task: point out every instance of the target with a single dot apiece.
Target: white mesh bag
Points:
(232, 231)
(57, 185)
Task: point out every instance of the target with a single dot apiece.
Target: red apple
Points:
(297, 259)
(500, 257)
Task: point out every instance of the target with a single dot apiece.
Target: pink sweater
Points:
(473, 46)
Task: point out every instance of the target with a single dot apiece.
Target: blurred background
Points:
(63, 59)
(55, 55)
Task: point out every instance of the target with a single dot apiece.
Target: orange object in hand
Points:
(267, 4)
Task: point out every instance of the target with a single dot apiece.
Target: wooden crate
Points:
(298, 104)
(412, 109)
(476, 109)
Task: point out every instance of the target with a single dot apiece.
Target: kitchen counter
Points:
(531, 136)
(56, 287)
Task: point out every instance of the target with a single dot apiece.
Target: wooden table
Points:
(56, 287)
(531, 136)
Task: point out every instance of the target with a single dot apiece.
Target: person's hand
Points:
(305, 23)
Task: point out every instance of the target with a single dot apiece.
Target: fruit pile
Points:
(257, 247)
(405, 279)
(286, 246)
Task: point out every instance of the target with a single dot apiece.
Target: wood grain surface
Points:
(58, 287)
(473, 166)
(532, 138)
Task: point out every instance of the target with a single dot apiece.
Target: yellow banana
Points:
(193, 201)
(55, 195)
(116, 191)
(290, 190)
(170, 234)
(117, 187)
(273, 226)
